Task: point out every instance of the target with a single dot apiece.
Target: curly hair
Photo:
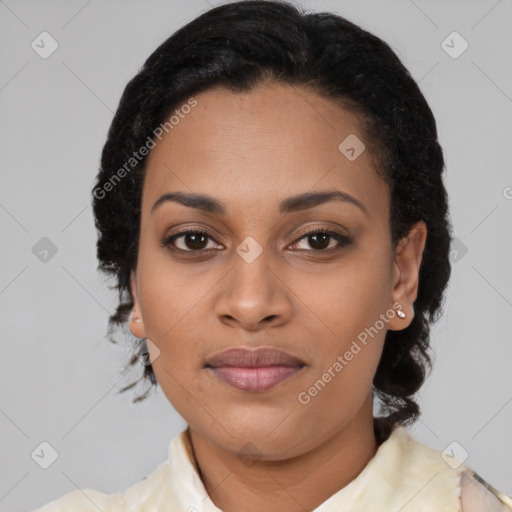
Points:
(238, 45)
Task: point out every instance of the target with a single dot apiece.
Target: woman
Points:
(271, 203)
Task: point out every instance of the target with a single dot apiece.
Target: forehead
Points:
(274, 141)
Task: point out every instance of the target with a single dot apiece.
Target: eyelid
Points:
(323, 229)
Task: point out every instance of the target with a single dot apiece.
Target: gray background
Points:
(60, 376)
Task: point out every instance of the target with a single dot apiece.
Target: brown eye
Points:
(193, 240)
(320, 240)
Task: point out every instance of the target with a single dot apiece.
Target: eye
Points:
(193, 240)
(196, 240)
(319, 239)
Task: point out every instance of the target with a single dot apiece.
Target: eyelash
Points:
(342, 240)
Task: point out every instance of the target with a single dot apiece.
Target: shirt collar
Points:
(391, 476)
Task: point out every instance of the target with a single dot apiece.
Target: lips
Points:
(254, 369)
(253, 358)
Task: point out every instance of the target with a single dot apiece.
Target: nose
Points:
(254, 297)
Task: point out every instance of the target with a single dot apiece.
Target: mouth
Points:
(254, 369)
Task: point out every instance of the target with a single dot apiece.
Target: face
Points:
(257, 276)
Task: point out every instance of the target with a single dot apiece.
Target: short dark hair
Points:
(238, 45)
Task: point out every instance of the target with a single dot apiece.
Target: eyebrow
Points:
(291, 204)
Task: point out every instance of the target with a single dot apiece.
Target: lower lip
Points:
(254, 379)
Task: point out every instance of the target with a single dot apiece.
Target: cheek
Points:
(168, 293)
(351, 307)
(335, 398)
(342, 381)
(348, 298)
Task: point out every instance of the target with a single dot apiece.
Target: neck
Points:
(297, 484)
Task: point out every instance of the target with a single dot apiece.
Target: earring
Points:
(400, 313)
(136, 319)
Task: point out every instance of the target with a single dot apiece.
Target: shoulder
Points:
(408, 472)
(85, 500)
(474, 494)
(173, 485)
(91, 500)
(477, 495)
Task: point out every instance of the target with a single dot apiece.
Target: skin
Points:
(250, 151)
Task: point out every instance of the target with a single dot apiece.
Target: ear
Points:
(136, 322)
(406, 273)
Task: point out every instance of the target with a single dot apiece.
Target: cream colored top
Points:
(404, 475)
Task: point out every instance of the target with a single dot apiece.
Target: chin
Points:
(269, 431)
